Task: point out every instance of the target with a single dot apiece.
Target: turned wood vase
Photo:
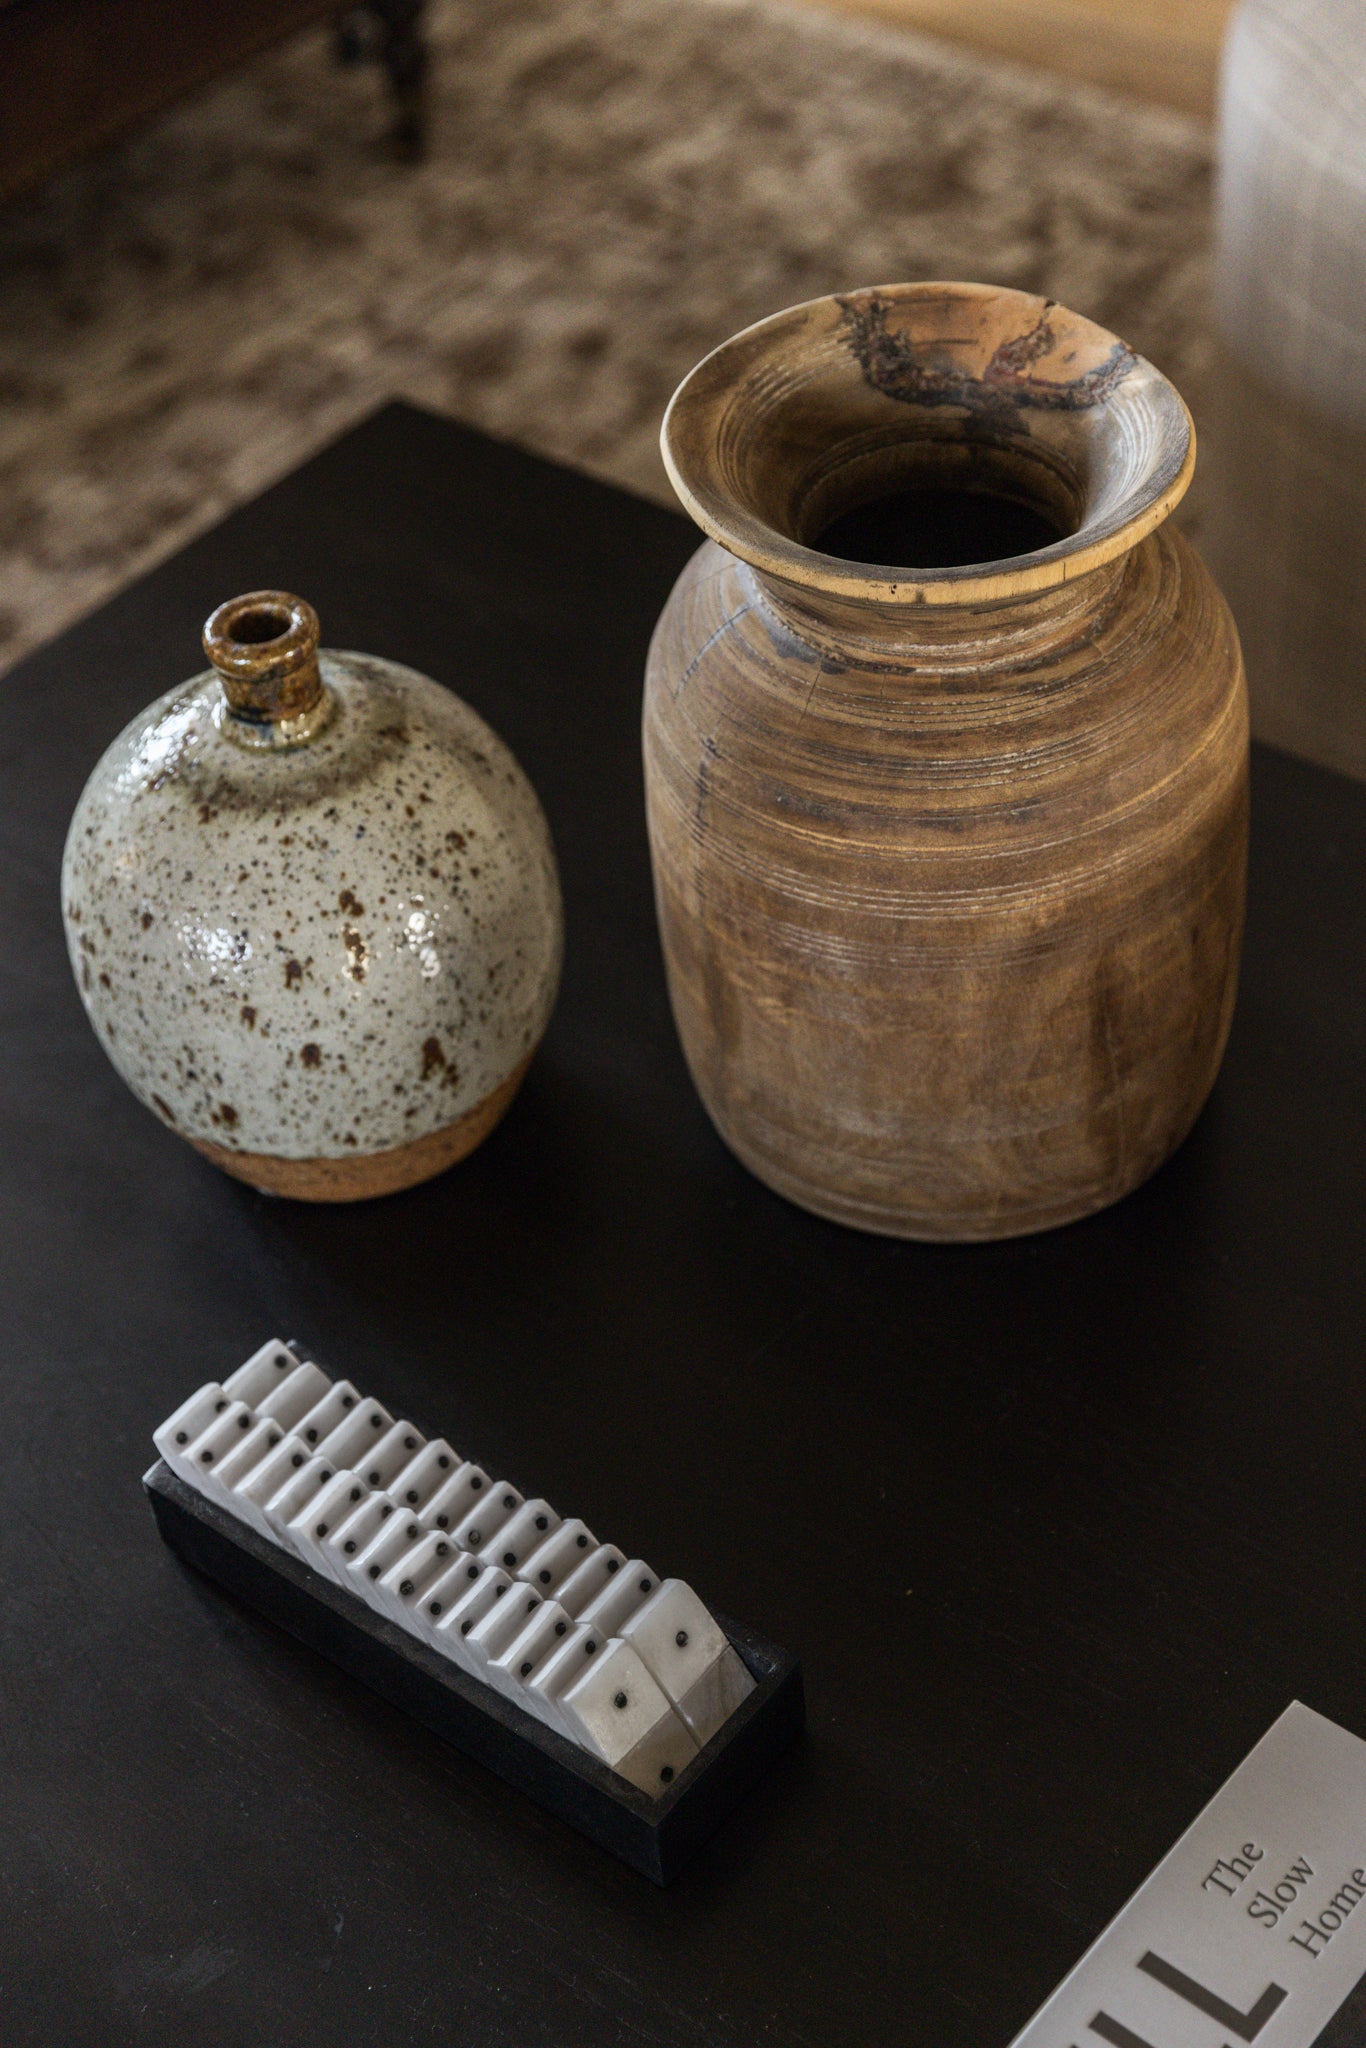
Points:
(313, 911)
(946, 761)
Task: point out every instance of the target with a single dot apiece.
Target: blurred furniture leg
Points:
(390, 32)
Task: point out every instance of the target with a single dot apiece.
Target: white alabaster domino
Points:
(504, 1621)
(229, 1426)
(242, 1459)
(395, 1536)
(263, 1372)
(617, 1710)
(358, 1432)
(687, 1652)
(190, 1420)
(486, 1519)
(522, 1533)
(553, 1560)
(359, 1528)
(625, 1591)
(321, 1517)
(299, 1391)
(456, 1497)
(629, 1667)
(590, 1578)
(318, 1423)
(424, 1475)
(490, 1585)
(441, 1595)
(299, 1491)
(383, 1461)
(407, 1579)
(544, 1628)
(562, 1667)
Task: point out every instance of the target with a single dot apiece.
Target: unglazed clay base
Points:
(370, 1173)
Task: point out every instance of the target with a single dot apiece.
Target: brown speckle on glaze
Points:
(299, 994)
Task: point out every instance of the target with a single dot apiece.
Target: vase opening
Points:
(929, 526)
(930, 443)
(254, 627)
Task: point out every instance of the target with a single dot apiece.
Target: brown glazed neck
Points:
(264, 646)
(842, 401)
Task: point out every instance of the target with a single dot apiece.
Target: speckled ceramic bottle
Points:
(313, 911)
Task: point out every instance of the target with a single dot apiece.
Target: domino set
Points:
(523, 1608)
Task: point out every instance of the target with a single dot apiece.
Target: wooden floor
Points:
(1165, 51)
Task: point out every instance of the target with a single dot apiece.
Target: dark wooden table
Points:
(1057, 1527)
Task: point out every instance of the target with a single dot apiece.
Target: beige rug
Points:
(614, 186)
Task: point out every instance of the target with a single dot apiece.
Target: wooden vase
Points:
(949, 863)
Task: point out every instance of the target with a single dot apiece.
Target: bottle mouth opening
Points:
(260, 625)
(934, 443)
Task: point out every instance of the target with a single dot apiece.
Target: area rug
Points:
(612, 187)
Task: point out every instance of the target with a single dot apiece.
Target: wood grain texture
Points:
(949, 865)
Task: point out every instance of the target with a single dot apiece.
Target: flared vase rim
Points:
(1052, 377)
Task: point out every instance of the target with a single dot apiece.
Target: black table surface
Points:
(1057, 1527)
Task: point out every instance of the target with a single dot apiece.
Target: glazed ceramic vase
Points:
(1286, 525)
(313, 911)
(949, 860)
